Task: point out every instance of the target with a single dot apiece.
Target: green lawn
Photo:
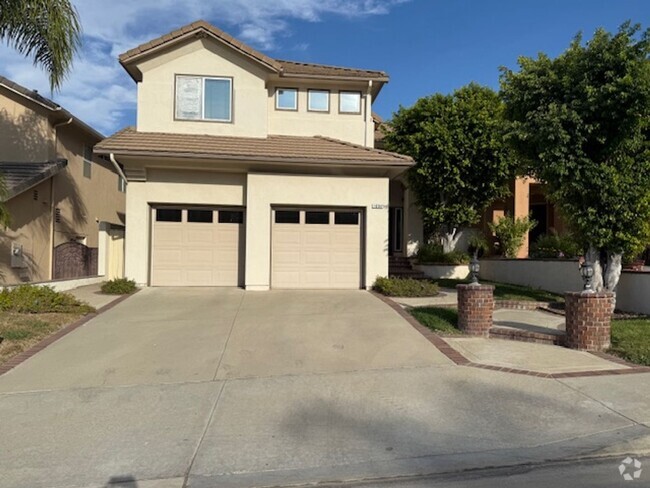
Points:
(631, 340)
(504, 291)
(438, 319)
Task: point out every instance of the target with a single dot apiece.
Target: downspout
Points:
(368, 114)
(111, 156)
(52, 200)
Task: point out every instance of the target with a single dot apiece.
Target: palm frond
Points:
(46, 30)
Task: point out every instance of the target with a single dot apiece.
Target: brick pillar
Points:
(588, 320)
(475, 307)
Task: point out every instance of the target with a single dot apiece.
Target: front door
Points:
(395, 230)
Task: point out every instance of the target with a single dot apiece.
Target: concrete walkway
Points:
(93, 296)
(220, 387)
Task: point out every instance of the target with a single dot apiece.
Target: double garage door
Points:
(310, 248)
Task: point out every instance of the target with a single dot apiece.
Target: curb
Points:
(46, 341)
(457, 358)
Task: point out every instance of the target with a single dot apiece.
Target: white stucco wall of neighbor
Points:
(267, 190)
(176, 187)
(632, 293)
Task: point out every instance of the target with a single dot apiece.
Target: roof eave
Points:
(255, 158)
(32, 182)
(127, 61)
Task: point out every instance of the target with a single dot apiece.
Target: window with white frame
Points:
(286, 99)
(350, 102)
(203, 98)
(318, 100)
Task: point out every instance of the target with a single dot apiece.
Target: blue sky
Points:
(426, 46)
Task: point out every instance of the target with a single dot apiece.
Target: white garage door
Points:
(197, 247)
(316, 249)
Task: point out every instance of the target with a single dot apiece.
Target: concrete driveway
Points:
(220, 387)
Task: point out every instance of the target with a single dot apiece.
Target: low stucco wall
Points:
(633, 292)
(437, 271)
(560, 276)
(554, 275)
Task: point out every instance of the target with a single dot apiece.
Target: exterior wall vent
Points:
(36, 195)
(57, 215)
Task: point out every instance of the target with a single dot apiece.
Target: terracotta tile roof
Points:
(318, 150)
(47, 103)
(202, 27)
(19, 177)
(193, 29)
(310, 69)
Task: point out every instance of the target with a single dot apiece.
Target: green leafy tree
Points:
(462, 163)
(46, 30)
(580, 123)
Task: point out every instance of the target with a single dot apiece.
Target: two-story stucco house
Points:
(66, 205)
(249, 171)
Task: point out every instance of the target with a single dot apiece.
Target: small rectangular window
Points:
(287, 217)
(346, 218)
(87, 164)
(169, 215)
(318, 101)
(350, 102)
(286, 99)
(317, 217)
(200, 216)
(231, 217)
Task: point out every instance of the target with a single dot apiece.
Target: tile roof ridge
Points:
(369, 149)
(321, 65)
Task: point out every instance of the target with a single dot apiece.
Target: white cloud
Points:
(99, 91)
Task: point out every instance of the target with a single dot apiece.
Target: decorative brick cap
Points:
(582, 294)
(475, 287)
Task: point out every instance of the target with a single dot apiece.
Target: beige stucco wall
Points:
(156, 92)
(267, 190)
(177, 187)
(253, 106)
(84, 202)
(25, 133)
(347, 127)
(31, 227)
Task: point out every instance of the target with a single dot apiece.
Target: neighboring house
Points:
(245, 170)
(66, 205)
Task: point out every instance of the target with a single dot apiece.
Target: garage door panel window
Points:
(317, 218)
(346, 218)
(287, 217)
(200, 216)
(169, 215)
(231, 217)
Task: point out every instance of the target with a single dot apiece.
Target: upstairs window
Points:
(203, 98)
(349, 102)
(286, 99)
(318, 101)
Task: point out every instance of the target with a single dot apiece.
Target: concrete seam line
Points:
(634, 422)
(205, 432)
(225, 344)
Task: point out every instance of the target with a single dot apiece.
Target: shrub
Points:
(555, 246)
(119, 286)
(405, 287)
(477, 244)
(433, 253)
(40, 299)
(510, 233)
